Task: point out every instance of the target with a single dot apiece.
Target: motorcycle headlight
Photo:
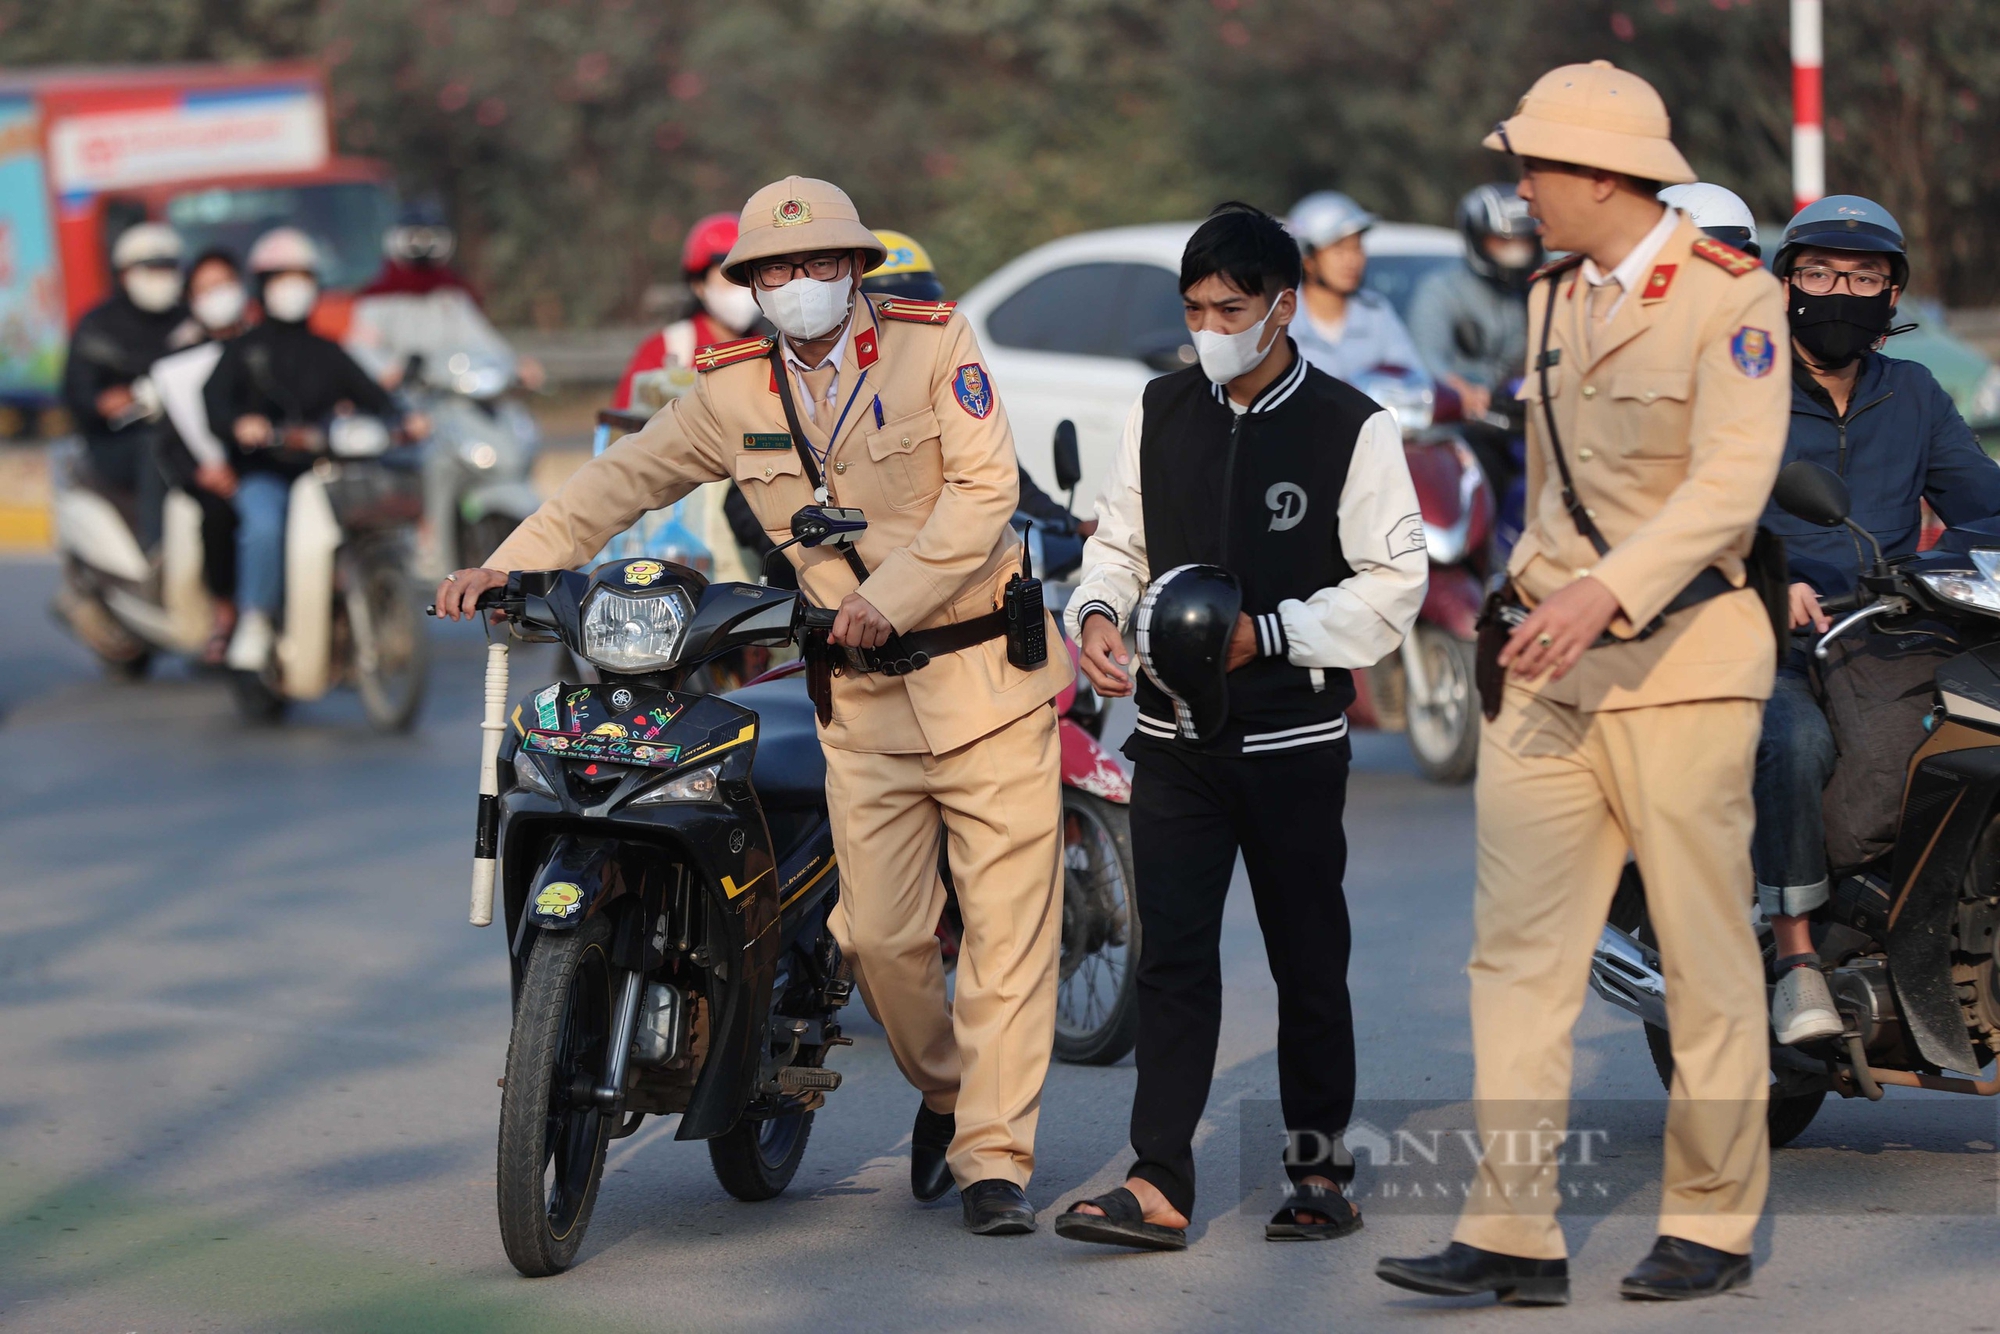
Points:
(636, 634)
(478, 454)
(695, 785)
(1965, 588)
(528, 774)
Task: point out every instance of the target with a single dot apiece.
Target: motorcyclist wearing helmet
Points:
(1719, 212)
(1887, 427)
(419, 311)
(1345, 330)
(906, 271)
(1471, 322)
(271, 388)
(113, 346)
(1287, 492)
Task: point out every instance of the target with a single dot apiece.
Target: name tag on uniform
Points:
(766, 440)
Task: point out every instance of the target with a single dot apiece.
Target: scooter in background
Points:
(477, 461)
(1428, 689)
(351, 612)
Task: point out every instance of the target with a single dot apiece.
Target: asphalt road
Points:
(248, 1048)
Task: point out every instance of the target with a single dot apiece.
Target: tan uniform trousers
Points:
(985, 1055)
(1562, 794)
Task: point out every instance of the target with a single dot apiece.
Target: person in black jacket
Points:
(113, 347)
(1294, 483)
(268, 398)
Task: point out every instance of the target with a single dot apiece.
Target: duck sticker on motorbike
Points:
(559, 899)
(611, 730)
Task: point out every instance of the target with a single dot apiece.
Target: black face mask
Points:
(1836, 328)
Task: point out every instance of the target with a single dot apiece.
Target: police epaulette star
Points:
(1725, 257)
(717, 355)
(1554, 267)
(916, 312)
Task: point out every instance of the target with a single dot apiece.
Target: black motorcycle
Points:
(1908, 935)
(665, 868)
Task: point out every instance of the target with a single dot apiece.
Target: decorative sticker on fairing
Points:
(641, 573)
(602, 745)
(559, 899)
(545, 707)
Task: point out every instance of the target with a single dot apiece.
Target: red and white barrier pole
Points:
(1808, 107)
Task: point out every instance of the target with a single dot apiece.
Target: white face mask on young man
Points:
(220, 307)
(805, 308)
(290, 298)
(1225, 356)
(731, 306)
(152, 289)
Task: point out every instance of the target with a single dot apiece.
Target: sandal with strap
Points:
(1312, 1198)
(1122, 1224)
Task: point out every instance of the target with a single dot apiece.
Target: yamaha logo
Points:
(621, 699)
(1287, 502)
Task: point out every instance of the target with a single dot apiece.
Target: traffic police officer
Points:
(901, 421)
(1659, 383)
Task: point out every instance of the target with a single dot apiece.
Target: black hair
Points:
(1247, 247)
(216, 255)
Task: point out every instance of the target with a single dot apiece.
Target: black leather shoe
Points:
(1680, 1270)
(996, 1208)
(929, 1176)
(1466, 1271)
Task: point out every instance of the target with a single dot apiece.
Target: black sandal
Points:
(1312, 1198)
(1123, 1224)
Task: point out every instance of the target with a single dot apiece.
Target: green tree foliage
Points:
(575, 140)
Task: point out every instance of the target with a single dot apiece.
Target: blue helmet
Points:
(1845, 222)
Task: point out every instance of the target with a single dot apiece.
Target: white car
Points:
(1075, 328)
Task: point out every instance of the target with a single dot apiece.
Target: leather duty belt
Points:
(903, 654)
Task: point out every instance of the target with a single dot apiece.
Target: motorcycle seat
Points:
(790, 768)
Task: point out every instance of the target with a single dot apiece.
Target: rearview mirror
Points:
(1069, 467)
(1815, 494)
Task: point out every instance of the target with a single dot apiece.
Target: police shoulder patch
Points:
(1753, 352)
(1555, 266)
(717, 355)
(1725, 257)
(916, 312)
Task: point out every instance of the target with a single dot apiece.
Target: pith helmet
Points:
(795, 214)
(1595, 115)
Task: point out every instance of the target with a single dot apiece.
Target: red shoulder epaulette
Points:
(1725, 257)
(916, 312)
(1554, 267)
(717, 355)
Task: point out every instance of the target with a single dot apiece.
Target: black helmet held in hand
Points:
(1184, 624)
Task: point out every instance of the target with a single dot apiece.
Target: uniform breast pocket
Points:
(774, 483)
(1651, 412)
(908, 454)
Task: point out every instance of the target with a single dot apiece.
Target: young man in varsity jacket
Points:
(1294, 482)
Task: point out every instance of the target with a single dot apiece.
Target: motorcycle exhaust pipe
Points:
(492, 727)
(1627, 974)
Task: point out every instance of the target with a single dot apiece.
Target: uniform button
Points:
(906, 440)
(769, 471)
(841, 466)
(1586, 453)
(1652, 394)
(1591, 512)
(1590, 391)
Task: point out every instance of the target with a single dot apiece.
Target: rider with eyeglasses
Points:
(1892, 433)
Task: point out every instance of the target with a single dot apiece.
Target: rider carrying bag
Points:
(1877, 691)
(1504, 609)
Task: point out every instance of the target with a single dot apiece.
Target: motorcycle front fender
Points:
(1951, 797)
(1452, 600)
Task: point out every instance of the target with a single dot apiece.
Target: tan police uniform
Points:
(915, 437)
(1671, 397)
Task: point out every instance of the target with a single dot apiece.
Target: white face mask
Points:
(805, 308)
(290, 297)
(1224, 357)
(220, 307)
(152, 289)
(733, 307)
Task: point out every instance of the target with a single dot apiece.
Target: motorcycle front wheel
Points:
(1097, 1009)
(552, 1132)
(756, 1160)
(1444, 727)
(391, 649)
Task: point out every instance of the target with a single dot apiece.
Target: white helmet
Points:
(146, 243)
(1326, 216)
(1719, 212)
(284, 250)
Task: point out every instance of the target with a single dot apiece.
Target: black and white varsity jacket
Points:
(1305, 497)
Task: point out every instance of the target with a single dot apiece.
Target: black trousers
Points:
(1190, 815)
(218, 521)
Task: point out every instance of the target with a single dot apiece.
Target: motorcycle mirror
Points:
(1817, 495)
(815, 524)
(1069, 467)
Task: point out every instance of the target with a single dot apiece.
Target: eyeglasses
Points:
(1821, 282)
(771, 273)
